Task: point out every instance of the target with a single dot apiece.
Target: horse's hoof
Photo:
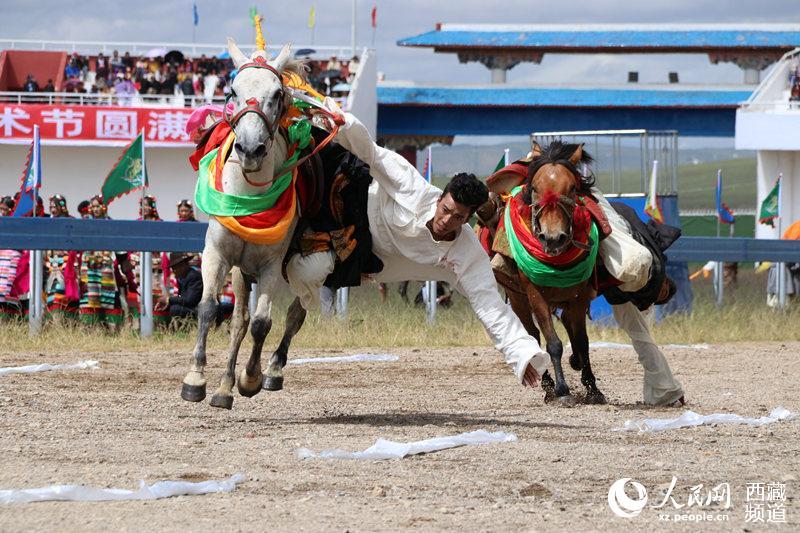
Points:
(575, 362)
(193, 393)
(596, 398)
(566, 401)
(249, 393)
(273, 383)
(225, 402)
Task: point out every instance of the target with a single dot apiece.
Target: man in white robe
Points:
(408, 219)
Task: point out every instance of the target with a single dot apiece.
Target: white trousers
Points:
(660, 387)
(623, 256)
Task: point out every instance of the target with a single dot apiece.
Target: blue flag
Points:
(196, 15)
(724, 212)
(31, 181)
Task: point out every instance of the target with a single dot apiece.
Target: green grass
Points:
(371, 324)
(697, 183)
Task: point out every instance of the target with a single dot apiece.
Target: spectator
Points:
(83, 209)
(127, 60)
(186, 211)
(30, 84)
(210, 83)
(72, 71)
(50, 87)
(101, 67)
(6, 206)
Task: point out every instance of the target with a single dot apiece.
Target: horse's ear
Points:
(577, 155)
(237, 55)
(536, 150)
(283, 57)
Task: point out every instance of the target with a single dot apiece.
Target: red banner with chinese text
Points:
(93, 125)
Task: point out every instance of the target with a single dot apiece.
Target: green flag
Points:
(770, 208)
(128, 173)
(253, 13)
(500, 164)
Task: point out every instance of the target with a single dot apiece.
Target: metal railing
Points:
(148, 237)
(107, 99)
(142, 48)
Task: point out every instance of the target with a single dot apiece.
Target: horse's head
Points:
(259, 100)
(551, 189)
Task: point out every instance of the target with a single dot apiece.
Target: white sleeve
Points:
(477, 283)
(397, 177)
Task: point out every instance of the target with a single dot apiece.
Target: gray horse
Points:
(260, 101)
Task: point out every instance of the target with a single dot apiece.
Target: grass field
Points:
(744, 317)
(696, 183)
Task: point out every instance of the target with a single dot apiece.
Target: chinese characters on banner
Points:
(87, 125)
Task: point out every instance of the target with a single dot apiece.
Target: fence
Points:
(148, 237)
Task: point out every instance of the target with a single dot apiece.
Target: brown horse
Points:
(551, 190)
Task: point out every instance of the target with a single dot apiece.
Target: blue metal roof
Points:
(499, 96)
(613, 38)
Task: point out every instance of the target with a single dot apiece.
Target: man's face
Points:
(147, 210)
(54, 210)
(4, 210)
(450, 216)
(184, 212)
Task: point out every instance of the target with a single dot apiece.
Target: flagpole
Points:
(35, 307)
(781, 267)
(430, 286)
(353, 29)
(145, 266)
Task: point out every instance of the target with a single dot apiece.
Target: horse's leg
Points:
(214, 270)
(250, 378)
(574, 318)
(541, 310)
(239, 321)
(273, 378)
(521, 307)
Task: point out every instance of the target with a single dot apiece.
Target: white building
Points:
(770, 123)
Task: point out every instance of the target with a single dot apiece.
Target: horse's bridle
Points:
(253, 105)
(567, 206)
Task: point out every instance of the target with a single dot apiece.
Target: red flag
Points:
(375, 16)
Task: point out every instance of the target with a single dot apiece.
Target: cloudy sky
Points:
(171, 21)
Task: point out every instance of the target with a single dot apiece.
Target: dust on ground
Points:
(125, 422)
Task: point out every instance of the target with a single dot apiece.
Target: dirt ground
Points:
(125, 422)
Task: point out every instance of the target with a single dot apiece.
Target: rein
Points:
(253, 106)
(568, 206)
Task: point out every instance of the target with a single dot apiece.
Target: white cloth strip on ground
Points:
(691, 419)
(387, 449)
(159, 489)
(30, 369)
(358, 358)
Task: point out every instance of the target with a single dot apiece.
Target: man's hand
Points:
(531, 378)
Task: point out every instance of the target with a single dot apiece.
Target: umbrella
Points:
(156, 52)
(303, 52)
(341, 87)
(174, 56)
(224, 55)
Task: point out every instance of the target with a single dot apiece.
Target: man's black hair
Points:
(467, 190)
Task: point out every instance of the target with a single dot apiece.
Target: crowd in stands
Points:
(102, 287)
(794, 84)
(208, 78)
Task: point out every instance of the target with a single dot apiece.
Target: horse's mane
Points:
(297, 66)
(558, 153)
